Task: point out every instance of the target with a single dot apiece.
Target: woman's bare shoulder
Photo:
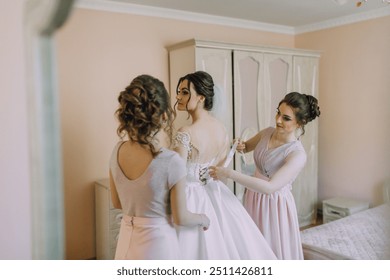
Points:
(185, 128)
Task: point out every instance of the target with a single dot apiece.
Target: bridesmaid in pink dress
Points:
(279, 157)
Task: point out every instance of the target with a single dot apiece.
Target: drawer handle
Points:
(335, 212)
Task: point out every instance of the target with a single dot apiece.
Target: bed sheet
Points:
(363, 236)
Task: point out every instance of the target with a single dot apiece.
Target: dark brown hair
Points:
(305, 107)
(141, 106)
(203, 84)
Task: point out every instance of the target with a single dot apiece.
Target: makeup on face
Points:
(183, 95)
(185, 99)
(285, 118)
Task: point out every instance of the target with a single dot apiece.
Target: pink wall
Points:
(100, 52)
(354, 151)
(15, 205)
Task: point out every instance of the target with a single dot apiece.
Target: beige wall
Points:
(100, 52)
(354, 133)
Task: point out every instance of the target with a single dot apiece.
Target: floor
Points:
(318, 221)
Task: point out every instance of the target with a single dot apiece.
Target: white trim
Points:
(127, 8)
(119, 7)
(381, 12)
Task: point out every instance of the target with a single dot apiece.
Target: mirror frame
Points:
(41, 19)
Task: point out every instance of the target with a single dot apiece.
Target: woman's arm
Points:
(181, 216)
(114, 194)
(288, 172)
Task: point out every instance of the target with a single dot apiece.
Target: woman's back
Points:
(147, 195)
(209, 140)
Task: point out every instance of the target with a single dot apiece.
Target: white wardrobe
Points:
(253, 80)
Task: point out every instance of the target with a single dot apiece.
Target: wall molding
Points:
(377, 13)
(127, 8)
(119, 7)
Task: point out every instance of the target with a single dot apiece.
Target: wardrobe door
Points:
(305, 187)
(248, 87)
(278, 82)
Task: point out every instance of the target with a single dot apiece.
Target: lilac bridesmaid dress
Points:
(275, 214)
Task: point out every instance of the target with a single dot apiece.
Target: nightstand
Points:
(338, 207)
(108, 221)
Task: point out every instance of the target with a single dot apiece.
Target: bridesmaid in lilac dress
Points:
(147, 180)
(279, 158)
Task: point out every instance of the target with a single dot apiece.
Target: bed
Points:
(361, 236)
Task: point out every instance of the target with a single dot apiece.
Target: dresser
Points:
(108, 221)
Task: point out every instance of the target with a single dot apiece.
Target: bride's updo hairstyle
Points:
(141, 106)
(305, 107)
(203, 84)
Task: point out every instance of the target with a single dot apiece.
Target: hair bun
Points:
(314, 109)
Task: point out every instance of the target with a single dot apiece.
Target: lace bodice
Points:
(183, 138)
(196, 171)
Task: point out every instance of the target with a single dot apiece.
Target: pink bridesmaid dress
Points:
(275, 214)
(147, 231)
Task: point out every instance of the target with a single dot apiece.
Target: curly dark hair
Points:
(203, 84)
(305, 107)
(141, 106)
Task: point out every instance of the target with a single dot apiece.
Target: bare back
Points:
(209, 140)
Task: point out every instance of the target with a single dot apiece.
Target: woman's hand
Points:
(218, 172)
(205, 222)
(241, 145)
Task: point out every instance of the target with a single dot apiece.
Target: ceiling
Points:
(291, 13)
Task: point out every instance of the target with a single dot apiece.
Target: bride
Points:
(232, 233)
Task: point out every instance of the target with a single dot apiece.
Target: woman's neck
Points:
(162, 140)
(283, 138)
(159, 141)
(199, 114)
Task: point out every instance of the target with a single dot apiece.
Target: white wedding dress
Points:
(232, 233)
